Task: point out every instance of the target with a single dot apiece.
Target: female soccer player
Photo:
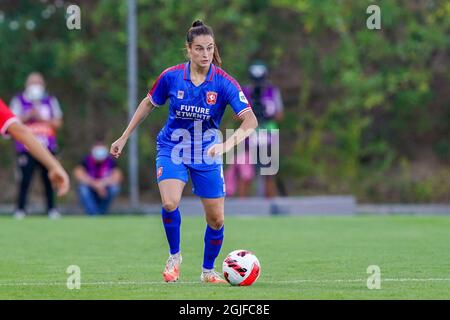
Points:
(198, 91)
(9, 124)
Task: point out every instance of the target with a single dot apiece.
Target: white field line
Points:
(144, 283)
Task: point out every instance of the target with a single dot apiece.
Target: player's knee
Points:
(216, 223)
(170, 205)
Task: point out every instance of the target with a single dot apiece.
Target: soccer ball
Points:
(241, 268)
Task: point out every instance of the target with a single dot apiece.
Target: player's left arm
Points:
(236, 98)
(248, 125)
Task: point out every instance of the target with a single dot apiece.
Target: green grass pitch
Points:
(122, 257)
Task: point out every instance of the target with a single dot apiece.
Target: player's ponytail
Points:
(200, 29)
(216, 58)
(197, 23)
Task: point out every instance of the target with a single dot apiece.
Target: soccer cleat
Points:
(172, 270)
(211, 277)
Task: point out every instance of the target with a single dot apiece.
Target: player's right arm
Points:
(144, 108)
(157, 96)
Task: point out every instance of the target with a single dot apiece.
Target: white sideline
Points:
(120, 283)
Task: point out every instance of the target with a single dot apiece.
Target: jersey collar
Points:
(209, 75)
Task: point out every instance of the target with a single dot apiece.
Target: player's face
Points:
(201, 51)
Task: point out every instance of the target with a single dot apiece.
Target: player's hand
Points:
(60, 180)
(117, 146)
(216, 150)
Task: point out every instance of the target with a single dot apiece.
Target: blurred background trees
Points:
(367, 111)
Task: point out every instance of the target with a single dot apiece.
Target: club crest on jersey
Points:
(211, 97)
(180, 94)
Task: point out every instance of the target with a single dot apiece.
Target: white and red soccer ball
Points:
(241, 268)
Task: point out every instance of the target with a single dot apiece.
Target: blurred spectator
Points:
(239, 175)
(267, 105)
(41, 113)
(99, 180)
(11, 126)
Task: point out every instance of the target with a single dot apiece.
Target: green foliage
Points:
(383, 98)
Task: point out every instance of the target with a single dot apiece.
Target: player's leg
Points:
(26, 165)
(171, 190)
(214, 234)
(171, 181)
(209, 186)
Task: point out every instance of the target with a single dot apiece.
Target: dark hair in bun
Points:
(200, 29)
(197, 23)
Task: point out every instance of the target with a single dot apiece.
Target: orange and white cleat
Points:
(172, 270)
(211, 277)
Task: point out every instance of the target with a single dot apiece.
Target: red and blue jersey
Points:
(192, 107)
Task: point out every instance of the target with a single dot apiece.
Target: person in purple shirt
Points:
(265, 97)
(267, 105)
(99, 180)
(41, 113)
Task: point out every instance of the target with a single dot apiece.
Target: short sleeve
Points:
(159, 92)
(6, 118)
(236, 98)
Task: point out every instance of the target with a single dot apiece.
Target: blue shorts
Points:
(207, 180)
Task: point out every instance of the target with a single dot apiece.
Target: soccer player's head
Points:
(201, 46)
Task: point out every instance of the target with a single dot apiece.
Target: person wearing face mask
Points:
(41, 113)
(99, 180)
(12, 127)
(267, 104)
